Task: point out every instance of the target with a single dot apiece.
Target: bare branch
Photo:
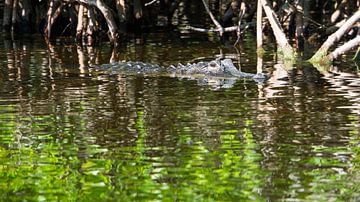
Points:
(241, 15)
(275, 25)
(151, 2)
(335, 37)
(217, 24)
(355, 42)
(226, 29)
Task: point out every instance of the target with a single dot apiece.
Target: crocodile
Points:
(217, 73)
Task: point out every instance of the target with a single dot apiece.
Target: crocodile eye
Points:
(213, 64)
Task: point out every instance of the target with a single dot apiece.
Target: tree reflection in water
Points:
(68, 133)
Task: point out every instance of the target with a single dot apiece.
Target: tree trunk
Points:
(138, 12)
(7, 14)
(40, 11)
(25, 6)
(278, 32)
(322, 52)
(275, 25)
(121, 10)
(53, 13)
(173, 6)
(299, 31)
(122, 14)
(259, 63)
(109, 19)
(259, 13)
(80, 23)
(14, 15)
(91, 27)
(306, 15)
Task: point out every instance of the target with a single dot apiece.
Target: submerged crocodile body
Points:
(218, 73)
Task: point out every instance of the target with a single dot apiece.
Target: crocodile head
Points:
(223, 67)
(215, 67)
(230, 69)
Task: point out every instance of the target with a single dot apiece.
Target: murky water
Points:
(70, 133)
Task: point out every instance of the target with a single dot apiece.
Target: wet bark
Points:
(259, 13)
(276, 27)
(173, 6)
(306, 16)
(299, 31)
(335, 37)
(90, 27)
(121, 10)
(122, 15)
(80, 24)
(302, 12)
(344, 48)
(14, 15)
(104, 9)
(53, 12)
(25, 9)
(7, 15)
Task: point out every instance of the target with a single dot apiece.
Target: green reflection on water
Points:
(59, 169)
(66, 135)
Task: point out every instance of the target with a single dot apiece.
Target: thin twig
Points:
(217, 24)
(226, 29)
(67, 26)
(241, 15)
(150, 3)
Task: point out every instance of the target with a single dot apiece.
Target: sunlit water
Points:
(68, 132)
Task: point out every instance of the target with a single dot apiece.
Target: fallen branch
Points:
(335, 37)
(280, 36)
(344, 48)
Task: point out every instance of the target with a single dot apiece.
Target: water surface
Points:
(70, 133)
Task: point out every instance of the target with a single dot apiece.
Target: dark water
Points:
(68, 133)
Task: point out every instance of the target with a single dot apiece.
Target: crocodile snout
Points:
(260, 76)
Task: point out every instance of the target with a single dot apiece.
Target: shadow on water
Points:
(69, 133)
